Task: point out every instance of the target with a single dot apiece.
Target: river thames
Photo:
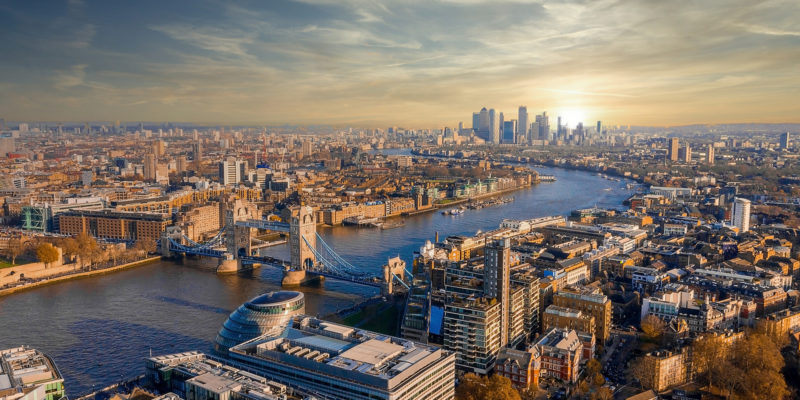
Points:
(100, 329)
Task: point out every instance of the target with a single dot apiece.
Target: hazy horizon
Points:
(413, 64)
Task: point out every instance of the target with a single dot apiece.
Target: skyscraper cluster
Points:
(494, 128)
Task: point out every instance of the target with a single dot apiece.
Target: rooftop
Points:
(348, 353)
(276, 297)
(23, 367)
(215, 375)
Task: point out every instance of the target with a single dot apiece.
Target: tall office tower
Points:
(231, 171)
(559, 130)
(476, 121)
(497, 267)
(460, 127)
(740, 214)
(2, 124)
(150, 167)
(710, 154)
(785, 141)
(483, 120)
(494, 127)
(544, 126)
(308, 150)
(580, 133)
(522, 124)
(509, 131)
(500, 124)
(673, 149)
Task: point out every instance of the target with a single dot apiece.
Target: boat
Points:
(393, 224)
(361, 221)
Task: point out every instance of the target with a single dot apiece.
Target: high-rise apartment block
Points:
(497, 264)
(710, 154)
(785, 141)
(740, 214)
(232, 171)
(673, 150)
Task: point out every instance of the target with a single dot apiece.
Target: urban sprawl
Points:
(688, 289)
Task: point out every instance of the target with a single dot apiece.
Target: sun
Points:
(572, 116)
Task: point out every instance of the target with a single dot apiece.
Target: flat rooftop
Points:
(342, 351)
(216, 376)
(25, 367)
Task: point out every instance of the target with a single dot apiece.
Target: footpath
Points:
(35, 277)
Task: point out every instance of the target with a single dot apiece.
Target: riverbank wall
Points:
(65, 275)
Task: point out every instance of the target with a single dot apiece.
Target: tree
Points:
(473, 387)
(602, 393)
(729, 368)
(47, 253)
(87, 246)
(16, 246)
(708, 359)
(582, 390)
(70, 247)
(757, 352)
(529, 393)
(598, 379)
(145, 245)
(652, 326)
(641, 373)
(593, 367)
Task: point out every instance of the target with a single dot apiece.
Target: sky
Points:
(406, 63)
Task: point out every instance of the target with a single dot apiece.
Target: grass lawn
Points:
(6, 264)
(385, 322)
(353, 318)
(371, 319)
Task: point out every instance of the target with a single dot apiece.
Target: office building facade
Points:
(340, 362)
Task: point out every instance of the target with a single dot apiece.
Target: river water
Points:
(99, 330)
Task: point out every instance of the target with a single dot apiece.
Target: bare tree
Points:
(16, 247)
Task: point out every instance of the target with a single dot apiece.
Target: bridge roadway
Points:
(278, 263)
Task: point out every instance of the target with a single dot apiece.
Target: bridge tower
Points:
(395, 267)
(237, 238)
(302, 224)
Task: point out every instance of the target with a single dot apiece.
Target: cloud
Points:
(585, 93)
(764, 30)
(71, 78)
(217, 40)
(406, 62)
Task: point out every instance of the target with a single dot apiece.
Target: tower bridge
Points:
(311, 258)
